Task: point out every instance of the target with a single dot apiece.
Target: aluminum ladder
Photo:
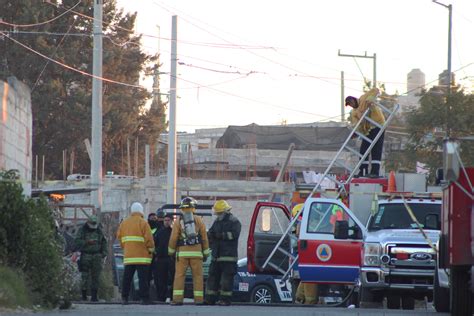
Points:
(341, 185)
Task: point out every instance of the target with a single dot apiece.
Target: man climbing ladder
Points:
(370, 128)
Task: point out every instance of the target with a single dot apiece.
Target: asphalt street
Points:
(235, 310)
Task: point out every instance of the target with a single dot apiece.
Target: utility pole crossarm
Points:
(374, 57)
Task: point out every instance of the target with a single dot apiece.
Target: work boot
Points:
(176, 303)
(145, 301)
(84, 295)
(224, 303)
(124, 300)
(94, 296)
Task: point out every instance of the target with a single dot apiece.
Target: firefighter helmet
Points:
(296, 209)
(136, 208)
(221, 206)
(188, 202)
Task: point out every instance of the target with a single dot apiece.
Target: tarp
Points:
(280, 137)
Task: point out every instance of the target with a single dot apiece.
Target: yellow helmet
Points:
(221, 206)
(296, 209)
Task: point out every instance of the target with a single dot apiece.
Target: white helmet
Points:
(136, 208)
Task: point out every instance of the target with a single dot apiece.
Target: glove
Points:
(151, 250)
(91, 242)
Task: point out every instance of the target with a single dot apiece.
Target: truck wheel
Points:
(408, 302)
(367, 296)
(440, 296)
(393, 301)
(461, 299)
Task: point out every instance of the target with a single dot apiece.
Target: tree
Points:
(427, 127)
(61, 98)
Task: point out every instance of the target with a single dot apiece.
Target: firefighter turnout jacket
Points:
(184, 248)
(367, 100)
(224, 238)
(136, 240)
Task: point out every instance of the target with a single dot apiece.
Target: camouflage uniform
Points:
(93, 247)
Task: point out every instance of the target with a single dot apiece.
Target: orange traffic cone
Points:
(392, 184)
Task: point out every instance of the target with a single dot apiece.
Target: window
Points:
(271, 220)
(323, 216)
(395, 216)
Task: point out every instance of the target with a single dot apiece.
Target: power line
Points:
(41, 23)
(52, 55)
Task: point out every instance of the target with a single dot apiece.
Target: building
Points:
(16, 126)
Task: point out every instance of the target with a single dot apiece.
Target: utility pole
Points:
(374, 57)
(96, 162)
(343, 114)
(171, 185)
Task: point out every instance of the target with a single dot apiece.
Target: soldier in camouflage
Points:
(91, 242)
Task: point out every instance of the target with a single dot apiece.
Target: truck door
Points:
(269, 222)
(322, 258)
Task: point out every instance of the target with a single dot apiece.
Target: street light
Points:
(450, 9)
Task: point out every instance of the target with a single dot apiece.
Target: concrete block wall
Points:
(118, 194)
(16, 127)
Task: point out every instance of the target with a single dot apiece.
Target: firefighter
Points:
(138, 246)
(306, 293)
(164, 262)
(188, 242)
(224, 240)
(359, 106)
(91, 243)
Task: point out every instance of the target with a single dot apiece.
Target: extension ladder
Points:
(341, 185)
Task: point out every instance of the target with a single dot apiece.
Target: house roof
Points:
(280, 137)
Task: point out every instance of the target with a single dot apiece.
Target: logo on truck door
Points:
(324, 252)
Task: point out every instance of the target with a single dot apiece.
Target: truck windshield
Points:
(395, 216)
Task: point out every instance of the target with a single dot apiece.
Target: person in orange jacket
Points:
(189, 243)
(138, 246)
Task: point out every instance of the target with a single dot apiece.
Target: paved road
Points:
(236, 310)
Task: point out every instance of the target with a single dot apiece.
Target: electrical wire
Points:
(140, 87)
(72, 68)
(41, 23)
(52, 55)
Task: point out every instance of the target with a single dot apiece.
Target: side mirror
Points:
(432, 221)
(341, 230)
(450, 160)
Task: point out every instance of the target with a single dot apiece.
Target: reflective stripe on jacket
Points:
(189, 251)
(135, 238)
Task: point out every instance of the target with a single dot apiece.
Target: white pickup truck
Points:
(399, 261)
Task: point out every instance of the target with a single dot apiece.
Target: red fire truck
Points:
(453, 288)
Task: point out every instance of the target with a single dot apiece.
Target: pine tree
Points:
(61, 98)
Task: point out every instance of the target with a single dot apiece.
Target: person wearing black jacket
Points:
(224, 240)
(163, 262)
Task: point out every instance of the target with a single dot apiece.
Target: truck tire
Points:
(393, 301)
(440, 296)
(367, 296)
(461, 298)
(408, 302)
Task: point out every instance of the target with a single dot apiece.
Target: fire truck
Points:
(453, 289)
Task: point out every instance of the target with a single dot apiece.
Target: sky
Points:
(274, 61)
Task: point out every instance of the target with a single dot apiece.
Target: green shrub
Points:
(13, 289)
(29, 241)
